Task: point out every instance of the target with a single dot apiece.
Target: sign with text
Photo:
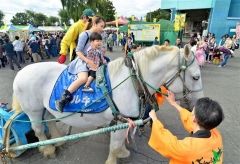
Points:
(144, 32)
(179, 22)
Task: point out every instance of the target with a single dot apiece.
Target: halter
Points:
(181, 73)
(140, 86)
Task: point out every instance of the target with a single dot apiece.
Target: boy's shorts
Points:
(92, 73)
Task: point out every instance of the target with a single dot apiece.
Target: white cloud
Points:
(47, 7)
(135, 7)
(51, 7)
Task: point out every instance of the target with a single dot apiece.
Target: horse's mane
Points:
(142, 57)
(114, 66)
(145, 56)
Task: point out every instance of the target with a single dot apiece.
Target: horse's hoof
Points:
(111, 161)
(48, 151)
(123, 154)
(50, 156)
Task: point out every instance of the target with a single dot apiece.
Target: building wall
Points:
(221, 17)
(224, 13)
(234, 9)
(186, 4)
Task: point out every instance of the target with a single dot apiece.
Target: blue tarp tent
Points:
(7, 28)
(30, 28)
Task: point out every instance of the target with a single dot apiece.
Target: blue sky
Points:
(51, 7)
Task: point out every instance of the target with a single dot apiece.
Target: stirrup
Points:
(57, 106)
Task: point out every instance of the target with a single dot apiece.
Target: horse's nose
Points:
(196, 77)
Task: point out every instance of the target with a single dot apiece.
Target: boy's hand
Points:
(171, 98)
(92, 65)
(153, 115)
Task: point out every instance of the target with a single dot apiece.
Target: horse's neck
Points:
(160, 70)
(124, 93)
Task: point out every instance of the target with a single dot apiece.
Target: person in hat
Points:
(203, 145)
(70, 39)
(81, 64)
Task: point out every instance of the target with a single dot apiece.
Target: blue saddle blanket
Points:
(82, 102)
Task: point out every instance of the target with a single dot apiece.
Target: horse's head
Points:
(177, 70)
(188, 84)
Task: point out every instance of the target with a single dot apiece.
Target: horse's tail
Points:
(15, 104)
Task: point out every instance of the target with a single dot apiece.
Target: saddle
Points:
(82, 102)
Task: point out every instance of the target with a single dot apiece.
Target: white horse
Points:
(33, 85)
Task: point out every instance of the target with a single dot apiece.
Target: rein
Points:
(140, 87)
(181, 73)
(143, 93)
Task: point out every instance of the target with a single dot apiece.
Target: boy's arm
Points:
(186, 118)
(90, 55)
(70, 37)
(185, 115)
(164, 142)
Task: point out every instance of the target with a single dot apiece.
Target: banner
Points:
(179, 22)
(144, 32)
(238, 30)
(116, 19)
(133, 18)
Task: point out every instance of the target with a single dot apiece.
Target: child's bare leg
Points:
(67, 95)
(82, 78)
(90, 79)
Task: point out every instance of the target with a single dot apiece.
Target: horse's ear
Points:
(187, 52)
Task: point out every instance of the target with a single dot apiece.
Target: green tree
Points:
(64, 17)
(30, 15)
(74, 8)
(107, 10)
(1, 18)
(51, 21)
(158, 14)
(20, 19)
(39, 19)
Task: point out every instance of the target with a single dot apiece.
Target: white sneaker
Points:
(87, 89)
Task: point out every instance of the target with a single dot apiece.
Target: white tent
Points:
(30, 28)
(50, 28)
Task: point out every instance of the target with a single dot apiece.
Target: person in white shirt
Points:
(18, 48)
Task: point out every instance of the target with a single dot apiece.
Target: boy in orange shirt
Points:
(204, 145)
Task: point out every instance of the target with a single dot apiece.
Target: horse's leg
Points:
(39, 129)
(117, 147)
(52, 127)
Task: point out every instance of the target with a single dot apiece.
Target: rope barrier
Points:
(76, 136)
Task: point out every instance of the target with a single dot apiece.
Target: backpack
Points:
(87, 39)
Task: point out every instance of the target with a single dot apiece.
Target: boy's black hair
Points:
(193, 42)
(95, 36)
(16, 37)
(209, 113)
(167, 40)
(6, 40)
(135, 46)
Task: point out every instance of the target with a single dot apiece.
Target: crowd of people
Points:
(89, 53)
(37, 47)
(207, 50)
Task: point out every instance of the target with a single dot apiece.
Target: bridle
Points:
(141, 88)
(181, 73)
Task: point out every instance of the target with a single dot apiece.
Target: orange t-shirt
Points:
(190, 150)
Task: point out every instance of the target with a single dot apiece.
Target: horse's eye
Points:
(196, 78)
